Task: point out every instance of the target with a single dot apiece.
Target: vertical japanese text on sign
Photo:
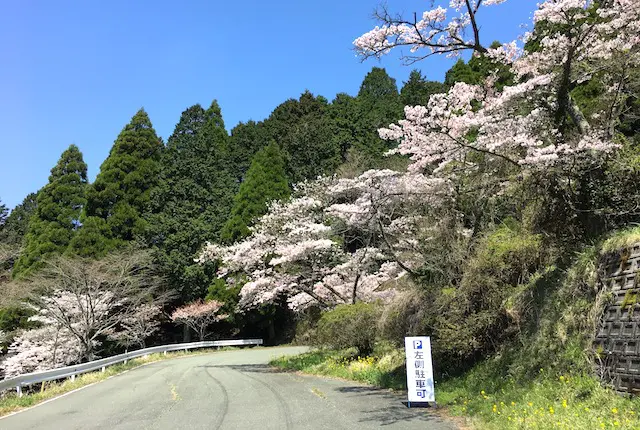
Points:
(419, 369)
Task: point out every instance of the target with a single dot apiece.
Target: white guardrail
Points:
(27, 379)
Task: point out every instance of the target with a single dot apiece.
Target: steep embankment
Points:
(577, 326)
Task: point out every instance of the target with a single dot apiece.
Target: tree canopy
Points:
(16, 224)
(265, 181)
(417, 90)
(57, 216)
(193, 197)
(120, 195)
(4, 213)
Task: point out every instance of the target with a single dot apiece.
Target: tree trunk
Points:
(272, 330)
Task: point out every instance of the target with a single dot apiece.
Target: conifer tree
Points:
(120, 194)
(344, 116)
(461, 72)
(16, 224)
(245, 140)
(302, 128)
(265, 181)
(477, 69)
(193, 198)
(417, 90)
(379, 105)
(59, 205)
(4, 214)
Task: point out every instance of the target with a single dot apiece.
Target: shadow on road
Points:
(375, 405)
(399, 413)
(395, 412)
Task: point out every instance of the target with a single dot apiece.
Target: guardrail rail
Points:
(27, 379)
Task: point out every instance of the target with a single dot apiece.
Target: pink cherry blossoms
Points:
(79, 304)
(199, 315)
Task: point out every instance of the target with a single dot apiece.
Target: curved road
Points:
(224, 390)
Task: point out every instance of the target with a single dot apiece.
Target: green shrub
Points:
(229, 295)
(306, 323)
(406, 315)
(494, 295)
(349, 326)
(15, 317)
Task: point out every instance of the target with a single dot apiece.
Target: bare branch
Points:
(94, 299)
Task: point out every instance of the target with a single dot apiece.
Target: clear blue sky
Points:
(76, 71)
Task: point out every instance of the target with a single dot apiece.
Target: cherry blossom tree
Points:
(405, 215)
(136, 327)
(436, 31)
(199, 315)
(340, 241)
(337, 241)
(288, 253)
(534, 123)
(41, 349)
(91, 299)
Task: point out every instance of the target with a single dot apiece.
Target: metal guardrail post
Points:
(19, 390)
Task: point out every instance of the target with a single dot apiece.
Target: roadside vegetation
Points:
(485, 395)
(544, 377)
(384, 370)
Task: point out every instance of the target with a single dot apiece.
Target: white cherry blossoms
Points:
(519, 123)
(310, 251)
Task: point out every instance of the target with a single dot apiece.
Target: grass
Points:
(10, 402)
(622, 239)
(549, 401)
(382, 370)
(546, 401)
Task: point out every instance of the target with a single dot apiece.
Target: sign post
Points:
(419, 370)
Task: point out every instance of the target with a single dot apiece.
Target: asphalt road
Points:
(224, 390)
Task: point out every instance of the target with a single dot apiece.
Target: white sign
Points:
(419, 369)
